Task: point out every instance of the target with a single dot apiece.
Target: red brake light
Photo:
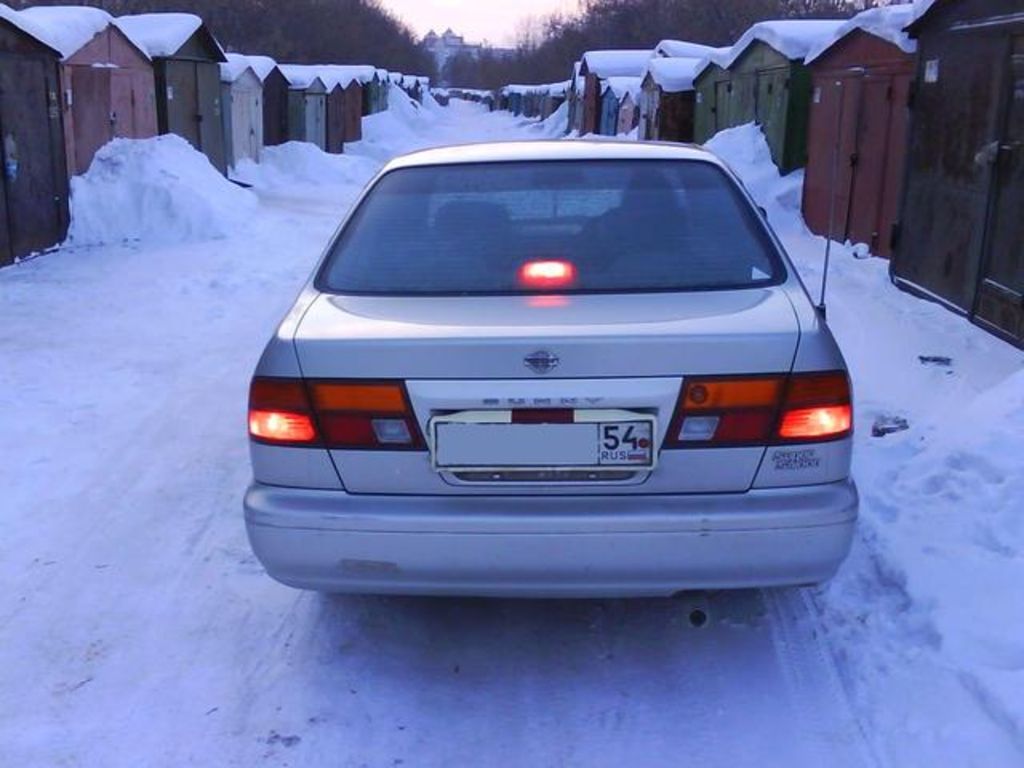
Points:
(547, 274)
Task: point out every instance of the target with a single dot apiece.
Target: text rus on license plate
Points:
(464, 444)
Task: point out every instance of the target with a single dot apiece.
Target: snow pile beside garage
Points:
(402, 127)
(925, 619)
(298, 162)
(158, 190)
(555, 125)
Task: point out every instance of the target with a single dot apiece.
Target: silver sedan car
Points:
(552, 369)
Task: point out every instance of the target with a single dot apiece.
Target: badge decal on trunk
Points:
(541, 362)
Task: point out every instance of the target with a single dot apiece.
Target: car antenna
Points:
(832, 199)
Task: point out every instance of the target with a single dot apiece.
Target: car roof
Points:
(532, 151)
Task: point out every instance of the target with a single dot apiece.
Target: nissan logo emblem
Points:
(541, 362)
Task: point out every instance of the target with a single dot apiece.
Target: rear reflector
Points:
(333, 414)
(762, 410)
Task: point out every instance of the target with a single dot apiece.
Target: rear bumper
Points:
(550, 546)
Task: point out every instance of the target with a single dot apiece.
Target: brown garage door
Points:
(1000, 300)
(34, 177)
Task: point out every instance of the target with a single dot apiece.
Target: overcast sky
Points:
(493, 20)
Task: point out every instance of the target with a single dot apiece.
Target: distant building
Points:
(447, 46)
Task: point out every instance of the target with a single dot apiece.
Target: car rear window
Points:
(565, 226)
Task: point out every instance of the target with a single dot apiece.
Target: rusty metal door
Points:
(34, 168)
(828, 185)
(1000, 300)
(91, 90)
(870, 162)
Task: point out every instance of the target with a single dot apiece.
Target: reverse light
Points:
(761, 410)
(817, 407)
(816, 423)
(282, 427)
(279, 412)
(549, 274)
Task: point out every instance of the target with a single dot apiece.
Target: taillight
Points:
(761, 410)
(365, 415)
(280, 414)
(332, 414)
(817, 407)
(733, 411)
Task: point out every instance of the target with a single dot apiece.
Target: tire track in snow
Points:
(813, 677)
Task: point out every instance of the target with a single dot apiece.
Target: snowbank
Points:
(302, 163)
(925, 619)
(555, 125)
(158, 190)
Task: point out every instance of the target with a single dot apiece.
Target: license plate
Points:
(469, 442)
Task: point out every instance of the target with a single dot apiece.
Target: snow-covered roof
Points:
(382, 74)
(301, 76)
(607, 64)
(334, 75)
(409, 81)
(673, 75)
(623, 86)
(558, 89)
(681, 49)
(160, 34)
(793, 38)
(67, 29)
(396, 77)
(18, 21)
(886, 22)
(235, 67)
(542, 89)
(718, 57)
(261, 65)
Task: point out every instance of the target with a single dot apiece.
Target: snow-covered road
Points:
(136, 628)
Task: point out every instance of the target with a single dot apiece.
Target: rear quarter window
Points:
(621, 226)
